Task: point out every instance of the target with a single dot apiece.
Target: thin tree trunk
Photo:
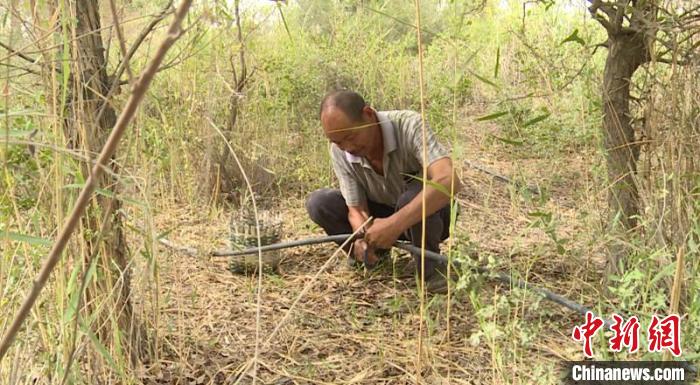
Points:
(223, 176)
(90, 120)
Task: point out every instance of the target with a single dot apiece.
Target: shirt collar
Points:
(388, 136)
(388, 133)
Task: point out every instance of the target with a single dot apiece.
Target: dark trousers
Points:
(327, 208)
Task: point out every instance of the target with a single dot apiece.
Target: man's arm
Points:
(385, 231)
(357, 215)
(439, 172)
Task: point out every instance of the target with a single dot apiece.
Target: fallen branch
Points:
(533, 189)
(107, 152)
(189, 251)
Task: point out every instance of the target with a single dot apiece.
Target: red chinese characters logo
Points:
(665, 334)
(626, 334)
(585, 332)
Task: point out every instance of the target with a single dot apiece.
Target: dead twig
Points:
(139, 40)
(189, 251)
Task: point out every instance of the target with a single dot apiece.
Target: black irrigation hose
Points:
(505, 278)
(283, 245)
(556, 298)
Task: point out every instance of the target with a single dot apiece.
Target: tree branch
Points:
(620, 8)
(139, 40)
(666, 60)
(116, 77)
(120, 37)
(606, 8)
(20, 54)
(241, 54)
(27, 70)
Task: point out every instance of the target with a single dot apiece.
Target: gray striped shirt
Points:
(403, 155)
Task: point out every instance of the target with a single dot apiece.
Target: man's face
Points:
(349, 136)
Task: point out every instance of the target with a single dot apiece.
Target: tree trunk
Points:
(91, 118)
(627, 51)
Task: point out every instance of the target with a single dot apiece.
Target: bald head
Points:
(349, 102)
(350, 123)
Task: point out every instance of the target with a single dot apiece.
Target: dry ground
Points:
(355, 327)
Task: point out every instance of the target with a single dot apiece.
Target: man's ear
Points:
(369, 113)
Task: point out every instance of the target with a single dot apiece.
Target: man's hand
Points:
(383, 233)
(358, 252)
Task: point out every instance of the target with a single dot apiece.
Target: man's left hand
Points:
(383, 233)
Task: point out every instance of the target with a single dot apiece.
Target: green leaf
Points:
(436, 186)
(35, 241)
(491, 116)
(108, 194)
(543, 216)
(98, 345)
(666, 271)
(487, 81)
(222, 9)
(574, 37)
(498, 62)
(454, 211)
(284, 21)
(71, 288)
(536, 119)
(165, 233)
(77, 292)
(513, 142)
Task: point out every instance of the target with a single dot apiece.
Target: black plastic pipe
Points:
(505, 278)
(556, 298)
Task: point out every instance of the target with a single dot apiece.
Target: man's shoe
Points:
(437, 282)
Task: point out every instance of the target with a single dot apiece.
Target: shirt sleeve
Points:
(353, 193)
(435, 149)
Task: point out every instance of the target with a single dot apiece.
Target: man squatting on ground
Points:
(373, 152)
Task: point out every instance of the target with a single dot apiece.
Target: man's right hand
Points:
(358, 252)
